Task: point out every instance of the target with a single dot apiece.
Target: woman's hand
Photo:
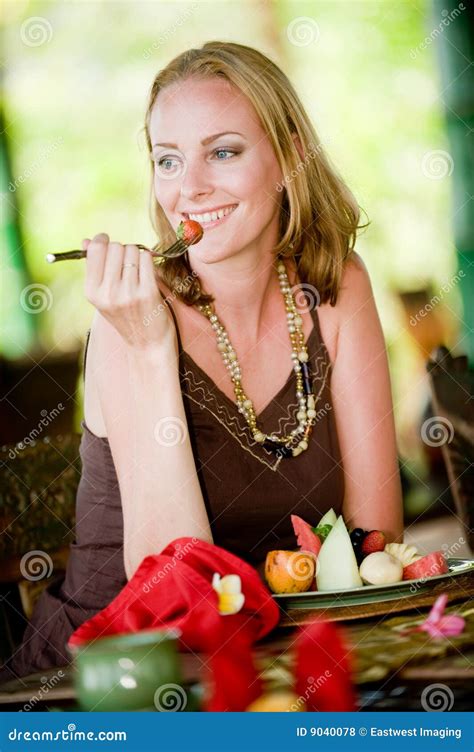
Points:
(121, 284)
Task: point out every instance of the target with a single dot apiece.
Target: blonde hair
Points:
(319, 215)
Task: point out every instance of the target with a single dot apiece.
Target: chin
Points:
(210, 255)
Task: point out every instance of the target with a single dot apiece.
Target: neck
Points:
(246, 294)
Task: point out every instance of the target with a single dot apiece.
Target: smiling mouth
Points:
(208, 217)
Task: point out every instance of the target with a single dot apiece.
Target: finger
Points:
(130, 266)
(85, 244)
(113, 265)
(95, 260)
(147, 279)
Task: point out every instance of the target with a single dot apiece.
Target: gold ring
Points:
(124, 265)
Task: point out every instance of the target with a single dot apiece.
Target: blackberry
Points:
(357, 537)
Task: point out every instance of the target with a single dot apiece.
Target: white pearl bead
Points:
(303, 444)
(291, 328)
(247, 403)
(311, 413)
(259, 436)
(303, 356)
(301, 415)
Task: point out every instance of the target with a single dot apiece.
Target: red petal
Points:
(323, 672)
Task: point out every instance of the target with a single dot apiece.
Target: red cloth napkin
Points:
(174, 589)
(323, 668)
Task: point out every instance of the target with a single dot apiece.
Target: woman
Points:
(220, 422)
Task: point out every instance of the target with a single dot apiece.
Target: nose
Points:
(195, 180)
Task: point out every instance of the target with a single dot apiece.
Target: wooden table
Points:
(386, 679)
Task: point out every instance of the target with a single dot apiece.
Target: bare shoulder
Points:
(355, 284)
(355, 294)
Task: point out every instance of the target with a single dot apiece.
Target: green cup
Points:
(139, 671)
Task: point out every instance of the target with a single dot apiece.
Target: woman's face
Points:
(197, 173)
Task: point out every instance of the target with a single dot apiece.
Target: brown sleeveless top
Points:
(249, 495)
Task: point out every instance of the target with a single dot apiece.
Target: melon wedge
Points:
(337, 565)
(328, 519)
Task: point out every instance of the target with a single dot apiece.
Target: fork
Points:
(175, 250)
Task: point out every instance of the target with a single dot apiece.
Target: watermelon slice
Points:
(305, 537)
(428, 566)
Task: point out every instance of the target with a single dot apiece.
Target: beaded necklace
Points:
(297, 441)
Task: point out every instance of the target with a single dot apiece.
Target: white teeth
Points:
(212, 216)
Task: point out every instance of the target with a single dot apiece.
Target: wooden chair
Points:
(38, 484)
(452, 428)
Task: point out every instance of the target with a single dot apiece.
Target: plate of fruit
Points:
(334, 566)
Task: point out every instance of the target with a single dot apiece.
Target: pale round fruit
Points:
(289, 571)
(381, 568)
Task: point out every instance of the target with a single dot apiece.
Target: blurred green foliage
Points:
(80, 97)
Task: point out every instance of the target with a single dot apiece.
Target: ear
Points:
(298, 145)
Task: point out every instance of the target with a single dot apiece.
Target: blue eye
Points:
(161, 162)
(225, 151)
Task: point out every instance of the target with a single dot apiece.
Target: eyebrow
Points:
(205, 141)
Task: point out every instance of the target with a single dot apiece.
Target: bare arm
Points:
(135, 375)
(364, 411)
